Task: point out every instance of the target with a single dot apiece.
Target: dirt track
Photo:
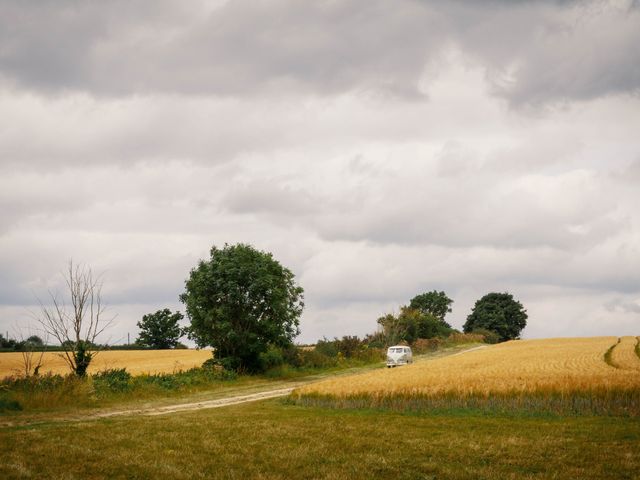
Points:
(183, 407)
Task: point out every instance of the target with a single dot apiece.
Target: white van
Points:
(399, 355)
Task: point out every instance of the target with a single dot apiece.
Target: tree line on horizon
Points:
(246, 306)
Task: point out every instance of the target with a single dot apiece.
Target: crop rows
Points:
(624, 354)
(572, 371)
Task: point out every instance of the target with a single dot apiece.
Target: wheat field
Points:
(624, 354)
(557, 367)
(136, 362)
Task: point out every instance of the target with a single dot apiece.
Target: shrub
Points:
(44, 391)
(349, 346)
(115, 380)
(316, 359)
(273, 357)
(458, 337)
(424, 345)
(375, 340)
(487, 335)
(327, 347)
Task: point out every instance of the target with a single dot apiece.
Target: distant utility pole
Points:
(127, 338)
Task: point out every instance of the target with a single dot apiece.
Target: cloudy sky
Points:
(378, 149)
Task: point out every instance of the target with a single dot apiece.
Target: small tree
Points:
(499, 313)
(241, 301)
(160, 329)
(76, 322)
(32, 352)
(434, 303)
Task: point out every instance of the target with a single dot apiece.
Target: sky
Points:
(377, 149)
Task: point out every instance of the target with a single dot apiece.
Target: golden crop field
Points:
(136, 362)
(624, 354)
(561, 365)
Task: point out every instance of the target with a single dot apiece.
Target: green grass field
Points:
(275, 439)
(285, 438)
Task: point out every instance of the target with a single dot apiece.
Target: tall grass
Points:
(55, 391)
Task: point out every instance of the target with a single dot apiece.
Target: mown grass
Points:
(273, 440)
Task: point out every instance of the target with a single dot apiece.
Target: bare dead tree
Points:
(78, 323)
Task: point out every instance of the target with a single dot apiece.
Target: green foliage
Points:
(9, 405)
(46, 391)
(326, 347)
(411, 325)
(184, 380)
(347, 346)
(160, 329)
(241, 301)
(317, 360)
(434, 303)
(35, 341)
(31, 344)
(115, 380)
(350, 346)
(271, 358)
(7, 343)
(499, 313)
(50, 391)
(83, 356)
(375, 340)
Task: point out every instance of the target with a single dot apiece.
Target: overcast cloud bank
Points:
(378, 149)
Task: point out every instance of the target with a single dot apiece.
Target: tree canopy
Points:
(434, 303)
(240, 302)
(160, 329)
(499, 313)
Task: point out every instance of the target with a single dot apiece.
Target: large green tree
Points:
(499, 313)
(433, 303)
(160, 329)
(240, 302)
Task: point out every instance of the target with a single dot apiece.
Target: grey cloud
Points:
(621, 305)
(268, 197)
(490, 210)
(239, 47)
(42, 196)
(591, 54)
(535, 52)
